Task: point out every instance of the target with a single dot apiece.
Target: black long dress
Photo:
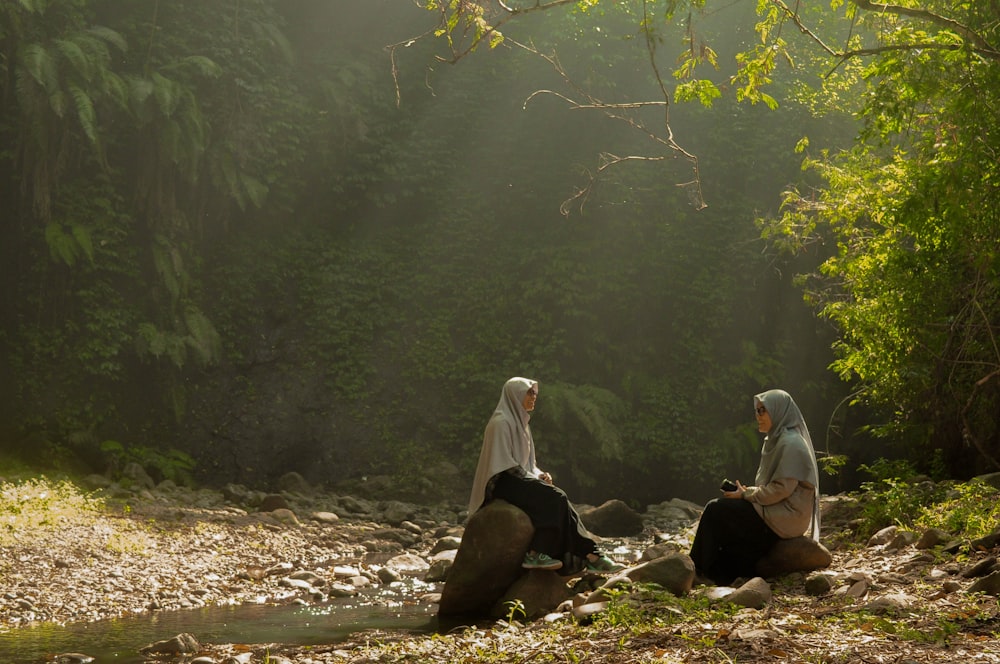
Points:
(730, 539)
(559, 532)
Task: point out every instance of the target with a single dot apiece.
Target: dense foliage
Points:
(912, 211)
(249, 236)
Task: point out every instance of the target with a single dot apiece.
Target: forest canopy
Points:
(253, 237)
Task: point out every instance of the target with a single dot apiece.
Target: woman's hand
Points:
(738, 493)
(545, 477)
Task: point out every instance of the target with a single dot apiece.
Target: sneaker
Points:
(540, 561)
(604, 565)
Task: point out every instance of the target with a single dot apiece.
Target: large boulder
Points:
(797, 554)
(674, 573)
(612, 519)
(488, 561)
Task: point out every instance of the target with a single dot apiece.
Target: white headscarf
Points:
(507, 441)
(788, 448)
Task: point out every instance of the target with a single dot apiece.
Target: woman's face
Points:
(763, 419)
(529, 398)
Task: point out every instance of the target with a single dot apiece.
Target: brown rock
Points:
(798, 554)
(535, 593)
(754, 594)
(675, 573)
(488, 561)
(612, 519)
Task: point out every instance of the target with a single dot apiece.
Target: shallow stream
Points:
(119, 640)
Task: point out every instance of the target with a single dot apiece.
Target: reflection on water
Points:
(119, 640)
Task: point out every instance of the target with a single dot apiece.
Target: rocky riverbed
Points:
(145, 550)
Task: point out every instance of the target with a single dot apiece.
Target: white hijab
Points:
(507, 441)
(788, 448)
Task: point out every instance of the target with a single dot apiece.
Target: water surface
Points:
(119, 640)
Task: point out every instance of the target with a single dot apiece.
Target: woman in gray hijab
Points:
(507, 471)
(738, 529)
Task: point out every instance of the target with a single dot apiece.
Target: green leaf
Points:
(85, 112)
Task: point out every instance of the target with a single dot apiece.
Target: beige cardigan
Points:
(786, 505)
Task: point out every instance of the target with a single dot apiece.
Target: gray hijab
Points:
(507, 441)
(788, 448)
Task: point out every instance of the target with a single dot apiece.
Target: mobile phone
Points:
(728, 485)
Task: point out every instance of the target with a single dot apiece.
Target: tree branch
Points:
(979, 43)
(961, 29)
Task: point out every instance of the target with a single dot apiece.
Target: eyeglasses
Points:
(761, 410)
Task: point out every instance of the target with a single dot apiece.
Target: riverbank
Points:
(70, 558)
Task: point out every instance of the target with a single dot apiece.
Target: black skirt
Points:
(559, 532)
(730, 539)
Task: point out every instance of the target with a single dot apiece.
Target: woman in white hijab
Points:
(507, 471)
(737, 530)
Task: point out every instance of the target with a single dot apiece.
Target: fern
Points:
(34, 6)
(595, 410)
(202, 336)
(38, 62)
(109, 36)
(167, 94)
(83, 240)
(278, 39)
(85, 112)
(61, 245)
(74, 55)
(199, 63)
(255, 189)
(139, 90)
(169, 266)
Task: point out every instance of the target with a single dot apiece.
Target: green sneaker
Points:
(540, 561)
(604, 565)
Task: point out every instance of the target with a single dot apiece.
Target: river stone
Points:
(309, 576)
(411, 527)
(893, 604)
(535, 593)
(178, 645)
(797, 554)
(819, 584)
(883, 536)
(237, 493)
(933, 537)
(408, 563)
(396, 512)
(986, 542)
(674, 573)
(441, 563)
(754, 594)
(989, 584)
(72, 658)
(438, 570)
(137, 475)
(488, 560)
(901, 540)
(285, 516)
(324, 517)
(292, 482)
(672, 512)
(388, 575)
(981, 568)
(657, 551)
(612, 519)
(273, 501)
(446, 544)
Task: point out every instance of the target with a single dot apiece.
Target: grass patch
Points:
(969, 510)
